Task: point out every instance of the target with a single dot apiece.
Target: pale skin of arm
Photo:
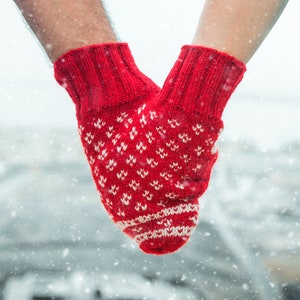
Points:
(63, 25)
(237, 27)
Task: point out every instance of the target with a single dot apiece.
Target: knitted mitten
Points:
(181, 126)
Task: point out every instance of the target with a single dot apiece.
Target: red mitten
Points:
(175, 134)
(188, 114)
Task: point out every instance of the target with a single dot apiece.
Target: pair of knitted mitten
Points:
(151, 150)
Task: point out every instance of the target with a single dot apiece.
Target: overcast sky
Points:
(155, 31)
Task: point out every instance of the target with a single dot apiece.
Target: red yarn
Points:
(150, 150)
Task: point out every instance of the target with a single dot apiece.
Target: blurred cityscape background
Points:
(247, 245)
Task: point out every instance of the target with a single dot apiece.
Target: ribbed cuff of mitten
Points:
(101, 77)
(202, 80)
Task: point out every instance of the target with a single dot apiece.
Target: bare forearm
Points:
(64, 25)
(237, 27)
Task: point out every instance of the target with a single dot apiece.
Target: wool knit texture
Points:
(151, 151)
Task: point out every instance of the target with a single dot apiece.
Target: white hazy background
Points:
(265, 108)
